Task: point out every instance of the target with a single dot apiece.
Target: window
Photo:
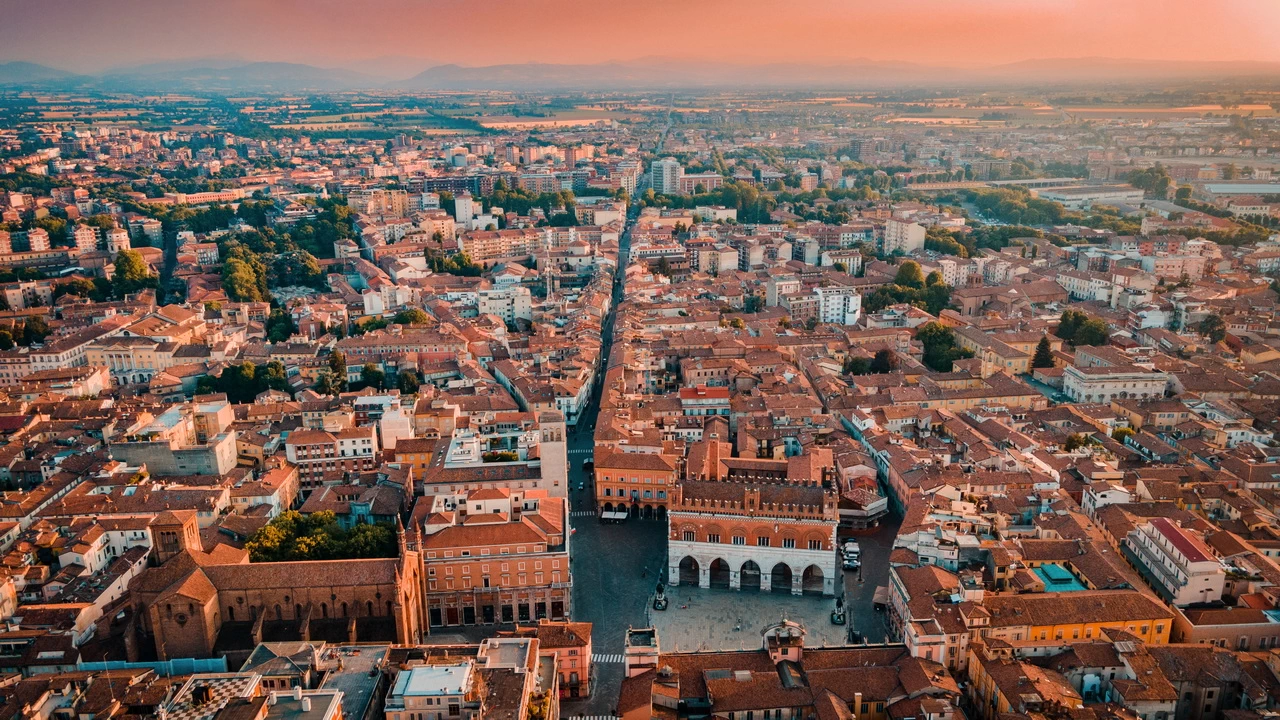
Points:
(690, 536)
(815, 544)
(740, 540)
(713, 537)
(788, 542)
(762, 542)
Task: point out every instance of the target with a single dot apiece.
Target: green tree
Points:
(412, 316)
(6, 340)
(131, 273)
(338, 370)
(1070, 321)
(1075, 441)
(240, 281)
(1213, 327)
(884, 361)
(1092, 332)
(280, 326)
(1119, 434)
(34, 330)
(407, 382)
(856, 366)
(1044, 354)
(372, 376)
(272, 375)
(940, 349)
(909, 275)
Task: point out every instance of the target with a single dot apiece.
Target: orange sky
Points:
(86, 35)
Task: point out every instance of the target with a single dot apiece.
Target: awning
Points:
(882, 595)
(614, 515)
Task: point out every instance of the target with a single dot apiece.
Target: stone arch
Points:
(810, 537)
(812, 581)
(608, 507)
(720, 573)
(749, 576)
(780, 578)
(689, 571)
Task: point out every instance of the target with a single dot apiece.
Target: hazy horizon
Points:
(382, 37)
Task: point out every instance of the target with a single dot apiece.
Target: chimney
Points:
(306, 704)
(297, 692)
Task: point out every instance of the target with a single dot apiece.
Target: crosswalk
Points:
(580, 451)
(582, 513)
(606, 658)
(590, 717)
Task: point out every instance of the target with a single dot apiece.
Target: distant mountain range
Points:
(233, 75)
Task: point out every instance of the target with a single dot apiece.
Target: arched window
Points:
(370, 608)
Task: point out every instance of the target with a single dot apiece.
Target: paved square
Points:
(719, 619)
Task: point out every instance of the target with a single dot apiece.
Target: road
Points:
(860, 586)
(615, 567)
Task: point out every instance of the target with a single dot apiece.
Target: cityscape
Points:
(550, 375)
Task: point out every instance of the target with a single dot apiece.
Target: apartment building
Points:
(906, 237)
(321, 455)
(1176, 564)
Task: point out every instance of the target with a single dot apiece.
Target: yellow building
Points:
(1082, 615)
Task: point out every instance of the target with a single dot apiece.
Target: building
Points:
(903, 237)
(838, 305)
(510, 304)
(494, 556)
(783, 679)
(665, 176)
(319, 453)
(1176, 564)
(635, 484)
(754, 531)
(1107, 383)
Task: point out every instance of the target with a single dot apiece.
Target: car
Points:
(581, 486)
(850, 564)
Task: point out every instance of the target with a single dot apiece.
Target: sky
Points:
(410, 35)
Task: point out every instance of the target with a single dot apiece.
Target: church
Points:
(197, 604)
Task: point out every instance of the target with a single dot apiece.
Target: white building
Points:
(509, 303)
(1178, 566)
(905, 236)
(1104, 384)
(464, 210)
(839, 305)
(665, 176)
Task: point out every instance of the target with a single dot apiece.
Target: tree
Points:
(338, 370)
(1075, 441)
(935, 278)
(280, 326)
(811, 323)
(372, 376)
(1069, 323)
(940, 349)
(1044, 354)
(240, 281)
(1119, 434)
(1214, 328)
(131, 273)
(408, 383)
(34, 330)
(856, 366)
(885, 361)
(412, 316)
(6, 340)
(1092, 332)
(909, 275)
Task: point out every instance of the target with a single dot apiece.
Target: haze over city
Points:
(394, 39)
